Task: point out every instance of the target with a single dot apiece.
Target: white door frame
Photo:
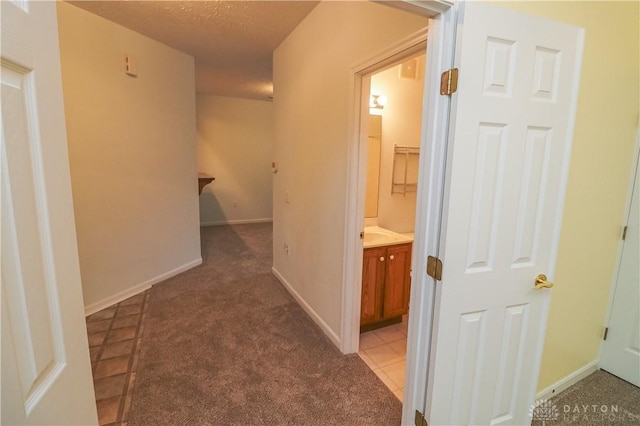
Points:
(414, 44)
(435, 121)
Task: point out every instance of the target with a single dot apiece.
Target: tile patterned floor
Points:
(384, 351)
(115, 334)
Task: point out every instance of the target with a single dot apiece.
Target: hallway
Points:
(224, 343)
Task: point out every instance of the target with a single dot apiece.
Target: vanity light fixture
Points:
(377, 101)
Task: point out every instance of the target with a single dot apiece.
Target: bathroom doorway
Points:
(392, 129)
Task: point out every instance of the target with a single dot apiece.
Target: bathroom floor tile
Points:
(384, 351)
(400, 347)
(386, 380)
(369, 340)
(367, 360)
(402, 328)
(383, 355)
(389, 334)
(395, 372)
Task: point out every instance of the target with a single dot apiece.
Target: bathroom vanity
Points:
(386, 278)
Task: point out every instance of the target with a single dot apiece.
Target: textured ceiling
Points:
(232, 41)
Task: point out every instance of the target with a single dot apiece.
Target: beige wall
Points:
(401, 125)
(235, 144)
(312, 77)
(132, 154)
(607, 119)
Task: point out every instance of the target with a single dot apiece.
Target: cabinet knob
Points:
(381, 259)
(391, 257)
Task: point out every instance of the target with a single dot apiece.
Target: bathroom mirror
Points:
(373, 166)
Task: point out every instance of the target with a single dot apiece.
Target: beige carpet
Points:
(225, 344)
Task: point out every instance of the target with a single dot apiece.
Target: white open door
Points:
(511, 129)
(45, 367)
(621, 349)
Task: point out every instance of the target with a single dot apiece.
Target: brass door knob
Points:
(541, 282)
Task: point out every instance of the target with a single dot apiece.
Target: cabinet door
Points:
(373, 269)
(396, 287)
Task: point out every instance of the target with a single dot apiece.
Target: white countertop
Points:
(374, 236)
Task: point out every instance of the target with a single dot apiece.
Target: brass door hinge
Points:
(624, 233)
(434, 268)
(420, 420)
(606, 332)
(449, 82)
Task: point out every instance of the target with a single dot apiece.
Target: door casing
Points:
(435, 121)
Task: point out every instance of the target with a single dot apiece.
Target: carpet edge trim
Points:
(568, 381)
(138, 288)
(307, 308)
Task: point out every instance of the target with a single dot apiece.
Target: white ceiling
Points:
(232, 41)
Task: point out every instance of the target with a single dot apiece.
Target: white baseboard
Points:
(139, 288)
(308, 309)
(568, 381)
(236, 222)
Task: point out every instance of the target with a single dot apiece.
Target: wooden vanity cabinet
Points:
(386, 283)
(373, 274)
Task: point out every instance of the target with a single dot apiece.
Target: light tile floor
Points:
(384, 351)
(115, 334)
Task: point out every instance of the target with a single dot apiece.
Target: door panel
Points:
(396, 281)
(373, 270)
(27, 258)
(511, 132)
(621, 350)
(46, 374)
